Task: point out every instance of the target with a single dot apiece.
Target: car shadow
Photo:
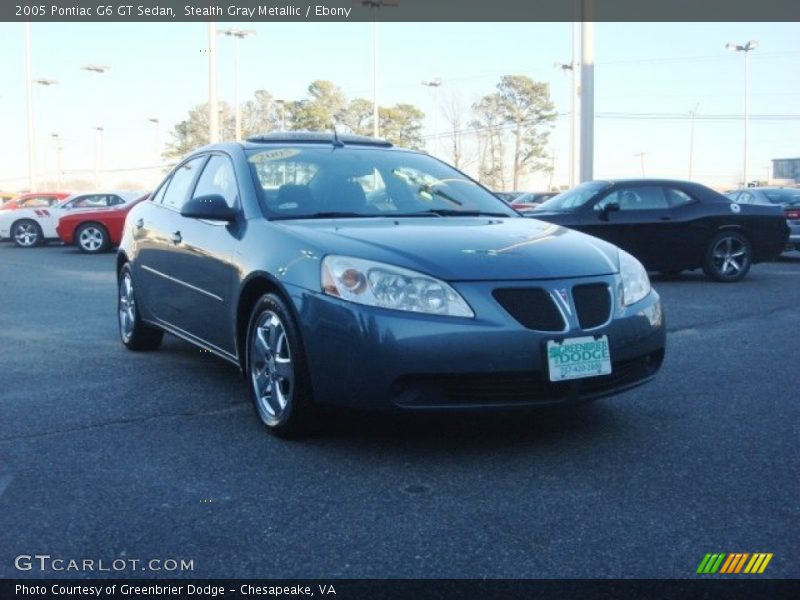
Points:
(470, 432)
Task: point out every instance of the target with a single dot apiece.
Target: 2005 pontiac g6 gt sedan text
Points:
(338, 270)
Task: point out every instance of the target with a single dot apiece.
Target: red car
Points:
(95, 231)
(34, 199)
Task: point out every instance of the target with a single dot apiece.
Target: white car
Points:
(29, 227)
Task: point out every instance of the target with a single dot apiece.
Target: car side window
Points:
(747, 198)
(636, 198)
(115, 201)
(178, 187)
(218, 177)
(678, 198)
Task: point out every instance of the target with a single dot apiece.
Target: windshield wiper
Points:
(323, 215)
(449, 212)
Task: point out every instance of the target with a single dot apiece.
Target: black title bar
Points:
(168, 11)
(405, 589)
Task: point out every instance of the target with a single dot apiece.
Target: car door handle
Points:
(139, 223)
(176, 237)
(665, 218)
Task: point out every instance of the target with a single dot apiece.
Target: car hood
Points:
(462, 248)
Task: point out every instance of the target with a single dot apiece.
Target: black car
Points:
(672, 226)
(338, 270)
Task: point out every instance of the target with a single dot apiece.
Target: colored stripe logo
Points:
(734, 562)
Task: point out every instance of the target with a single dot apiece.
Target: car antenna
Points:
(337, 143)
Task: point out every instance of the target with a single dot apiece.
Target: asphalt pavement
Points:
(108, 454)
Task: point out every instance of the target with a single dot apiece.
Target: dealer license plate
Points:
(575, 358)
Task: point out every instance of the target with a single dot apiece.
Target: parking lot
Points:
(106, 453)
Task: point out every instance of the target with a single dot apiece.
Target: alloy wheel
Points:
(91, 239)
(730, 256)
(271, 368)
(127, 307)
(26, 234)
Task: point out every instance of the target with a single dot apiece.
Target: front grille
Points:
(508, 388)
(592, 304)
(532, 307)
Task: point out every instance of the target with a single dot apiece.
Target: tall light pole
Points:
(46, 83)
(237, 35)
(587, 95)
(693, 114)
(574, 141)
(435, 84)
(98, 154)
(746, 49)
(32, 183)
(213, 110)
(375, 5)
(641, 156)
(282, 104)
(156, 136)
(98, 129)
(57, 139)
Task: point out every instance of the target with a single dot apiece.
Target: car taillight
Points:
(793, 213)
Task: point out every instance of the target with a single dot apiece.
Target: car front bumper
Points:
(365, 357)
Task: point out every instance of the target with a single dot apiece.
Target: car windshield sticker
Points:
(277, 154)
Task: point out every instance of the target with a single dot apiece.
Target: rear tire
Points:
(277, 372)
(728, 257)
(26, 233)
(92, 238)
(134, 333)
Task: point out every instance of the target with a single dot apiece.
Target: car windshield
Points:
(315, 182)
(783, 196)
(574, 198)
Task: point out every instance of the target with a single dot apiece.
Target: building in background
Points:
(786, 169)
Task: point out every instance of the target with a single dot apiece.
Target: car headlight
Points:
(635, 282)
(386, 286)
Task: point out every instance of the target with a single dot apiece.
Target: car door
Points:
(637, 225)
(155, 245)
(201, 259)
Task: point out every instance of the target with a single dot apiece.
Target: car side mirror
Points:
(608, 209)
(212, 207)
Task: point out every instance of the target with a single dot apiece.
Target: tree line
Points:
(504, 134)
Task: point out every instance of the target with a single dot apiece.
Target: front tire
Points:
(277, 372)
(27, 233)
(92, 238)
(133, 332)
(728, 257)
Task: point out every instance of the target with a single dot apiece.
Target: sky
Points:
(161, 70)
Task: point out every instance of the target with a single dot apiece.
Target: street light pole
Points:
(98, 154)
(32, 184)
(746, 49)
(237, 35)
(435, 84)
(693, 113)
(213, 114)
(587, 95)
(156, 137)
(374, 5)
(57, 139)
(574, 142)
(641, 156)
